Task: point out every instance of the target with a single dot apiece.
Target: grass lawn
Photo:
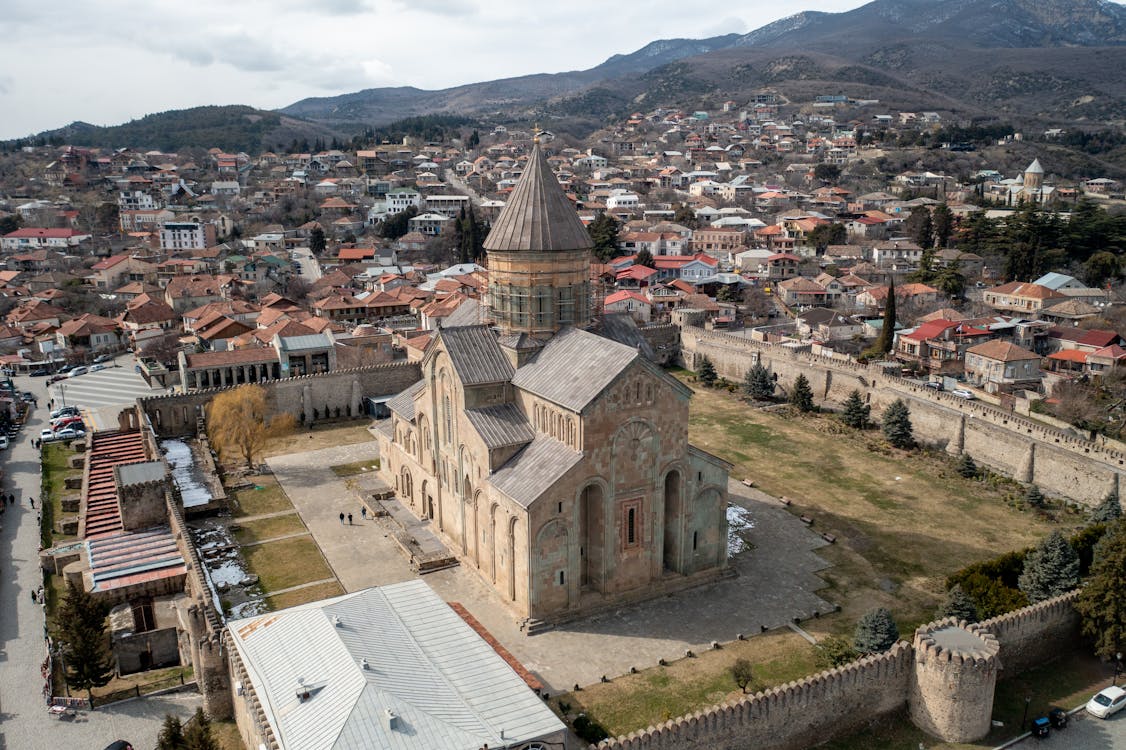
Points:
(266, 496)
(1066, 682)
(354, 468)
(903, 520)
(285, 563)
(636, 701)
(141, 683)
(227, 735)
(269, 528)
(307, 594)
(55, 470)
(321, 436)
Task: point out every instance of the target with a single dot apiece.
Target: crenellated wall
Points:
(309, 398)
(946, 689)
(1029, 451)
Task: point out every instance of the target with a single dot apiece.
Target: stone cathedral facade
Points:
(553, 461)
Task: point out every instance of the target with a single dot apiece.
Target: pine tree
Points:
(604, 234)
(943, 221)
(706, 372)
(643, 258)
(317, 241)
(1049, 570)
(876, 632)
(171, 734)
(197, 734)
(1102, 603)
(802, 395)
(967, 467)
(959, 604)
(1034, 497)
(1109, 510)
(81, 623)
(856, 413)
(897, 425)
(759, 384)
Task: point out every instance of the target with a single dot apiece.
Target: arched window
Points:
(448, 416)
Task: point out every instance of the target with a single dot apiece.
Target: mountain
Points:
(231, 128)
(890, 45)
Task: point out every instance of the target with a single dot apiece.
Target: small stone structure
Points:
(955, 674)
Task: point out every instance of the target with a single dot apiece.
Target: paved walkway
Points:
(24, 722)
(1084, 732)
(777, 580)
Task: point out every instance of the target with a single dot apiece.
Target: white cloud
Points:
(118, 59)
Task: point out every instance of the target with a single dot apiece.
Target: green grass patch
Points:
(269, 528)
(356, 467)
(141, 683)
(55, 469)
(654, 695)
(305, 595)
(266, 496)
(285, 563)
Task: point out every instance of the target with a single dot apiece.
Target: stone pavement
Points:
(777, 580)
(1084, 732)
(24, 722)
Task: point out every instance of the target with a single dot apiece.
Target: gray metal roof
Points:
(468, 313)
(574, 368)
(403, 403)
(301, 343)
(146, 471)
(445, 685)
(500, 426)
(533, 470)
(538, 215)
(476, 355)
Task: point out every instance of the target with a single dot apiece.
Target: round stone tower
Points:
(539, 257)
(951, 692)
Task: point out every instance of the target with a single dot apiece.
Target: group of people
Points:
(363, 515)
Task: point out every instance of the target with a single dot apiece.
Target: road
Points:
(310, 268)
(24, 722)
(1083, 733)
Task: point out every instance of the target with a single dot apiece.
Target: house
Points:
(147, 317)
(36, 313)
(780, 266)
(939, 346)
(429, 224)
(387, 667)
(117, 270)
(801, 291)
(1021, 297)
(186, 292)
(1000, 366)
(875, 297)
(186, 235)
(828, 325)
(896, 254)
(88, 332)
(34, 238)
(627, 301)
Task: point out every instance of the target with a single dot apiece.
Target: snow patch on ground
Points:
(185, 473)
(739, 521)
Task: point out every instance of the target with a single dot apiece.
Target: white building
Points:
(186, 235)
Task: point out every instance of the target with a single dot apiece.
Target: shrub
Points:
(589, 730)
(834, 651)
(742, 673)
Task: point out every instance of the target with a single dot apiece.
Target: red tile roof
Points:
(108, 450)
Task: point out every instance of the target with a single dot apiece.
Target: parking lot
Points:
(1083, 733)
(102, 395)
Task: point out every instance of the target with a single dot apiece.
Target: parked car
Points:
(934, 385)
(66, 368)
(1107, 702)
(103, 358)
(78, 371)
(96, 368)
(68, 422)
(46, 435)
(64, 411)
(39, 372)
(963, 393)
(3, 442)
(67, 433)
(55, 378)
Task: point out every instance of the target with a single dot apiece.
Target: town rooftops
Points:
(1002, 351)
(390, 667)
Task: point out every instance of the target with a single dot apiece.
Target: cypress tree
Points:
(1049, 570)
(706, 373)
(82, 630)
(886, 339)
(959, 604)
(802, 395)
(1109, 510)
(856, 413)
(966, 466)
(897, 425)
(876, 632)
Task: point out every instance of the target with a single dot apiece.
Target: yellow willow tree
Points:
(239, 424)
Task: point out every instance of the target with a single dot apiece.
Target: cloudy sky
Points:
(108, 61)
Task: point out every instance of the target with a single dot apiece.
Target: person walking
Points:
(341, 518)
(11, 498)
(33, 502)
(349, 519)
(364, 512)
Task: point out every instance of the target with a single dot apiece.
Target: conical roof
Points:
(538, 215)
(1034, 167)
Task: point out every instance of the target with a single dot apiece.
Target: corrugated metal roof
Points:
(446, 686)
(533, 470)
(147, 471)
(501, 425)
(574, 368)
(403, 403)
(538, 216)
(308, 341)
(468, 313)
(476, 355)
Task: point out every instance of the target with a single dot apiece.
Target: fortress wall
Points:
(1034, 635)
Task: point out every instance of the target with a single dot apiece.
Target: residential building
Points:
(186, 235)
(1000, 366)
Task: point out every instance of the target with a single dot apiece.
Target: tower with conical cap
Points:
(1033, 177)
(539, 257)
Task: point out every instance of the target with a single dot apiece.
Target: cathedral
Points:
(554, 461)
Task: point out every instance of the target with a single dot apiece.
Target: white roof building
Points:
(387, 667)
